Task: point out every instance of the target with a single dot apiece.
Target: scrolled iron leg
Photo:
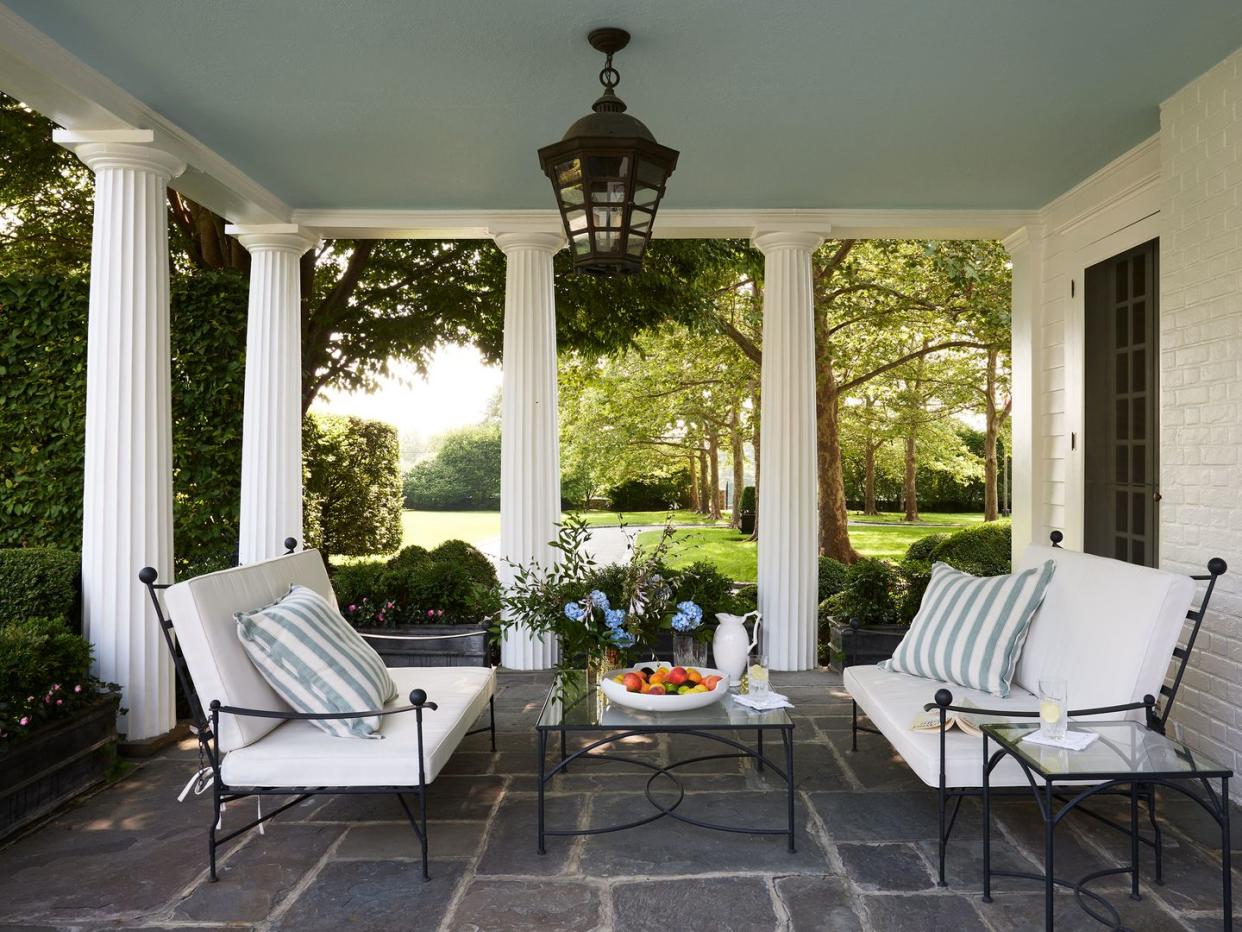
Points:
(1134, 843)
(211, 838)
(854, 727)
(1226, 857)
(491, 704)
(987, 825)
(543, 753)
(1157, 832)
(1049, 827)
(787, 738)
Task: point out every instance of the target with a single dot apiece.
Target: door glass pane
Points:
(1123, 463)
(1120, 512)
(1123, 336)
(1139, 326)
(1122, 427)
(1123, 374)
(1138, 552)
(1138, 424)
(1121, 549)
(1138, 512)
(1138, 463)
(1123, 291)
(1139, 278)
(1138, 370)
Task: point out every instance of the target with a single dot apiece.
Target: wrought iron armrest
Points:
(482, 632)
(944, 702)
(418, 700)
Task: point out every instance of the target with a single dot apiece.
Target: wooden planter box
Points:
(457, 652)
(57, 763)
(868, 644)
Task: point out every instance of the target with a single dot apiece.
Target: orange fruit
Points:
(694, 676)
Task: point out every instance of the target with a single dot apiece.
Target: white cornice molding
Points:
(1148, 148)
(47, 77)
(674, 224)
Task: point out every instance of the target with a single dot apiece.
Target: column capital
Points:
(541, 241)
(766, 239)
(119, 148)
(1022, 237)
(273, 237)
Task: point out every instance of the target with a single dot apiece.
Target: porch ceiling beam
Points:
(673, 223)
(48, 78)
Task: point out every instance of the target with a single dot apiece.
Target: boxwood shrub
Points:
(44, 675)
(40, 582)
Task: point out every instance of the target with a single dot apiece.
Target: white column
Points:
(127, 500)
(788, 487)
(271, 479)
(530, 459)
(1025, 247)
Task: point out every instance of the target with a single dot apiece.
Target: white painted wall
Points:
(1201, 385)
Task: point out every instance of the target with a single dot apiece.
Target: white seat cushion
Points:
(299, 754)
(892, 700)
(202, 611)
(1107, 628)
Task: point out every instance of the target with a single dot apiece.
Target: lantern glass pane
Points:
(607, 216)
(650, 173)
(582, 244)
(572, 195)
(644, 196)
(608, 166)
(607, 241)
(576, 220)
(640, 221)
(568, 173)
(635, 244)
(608, 192)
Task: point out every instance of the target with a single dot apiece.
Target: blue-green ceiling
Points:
(773, 103)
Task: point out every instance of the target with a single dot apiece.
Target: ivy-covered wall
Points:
(43, 404)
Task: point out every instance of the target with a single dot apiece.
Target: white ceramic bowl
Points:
(648, 703)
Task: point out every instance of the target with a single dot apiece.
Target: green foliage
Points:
(748, 499)
(40, 581)
(833, 575)
(453, 584)
(871, 594)
(982, 550)
(463, 475)
(43, 409)
(44, 674)
(651, 493)
(352, 496)
(708, 588)
(924, 547)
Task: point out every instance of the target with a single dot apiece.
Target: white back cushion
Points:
(1108, 628)
(202, 612)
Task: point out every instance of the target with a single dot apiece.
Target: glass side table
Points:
(1127, 754)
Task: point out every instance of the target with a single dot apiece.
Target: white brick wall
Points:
(1201, 385)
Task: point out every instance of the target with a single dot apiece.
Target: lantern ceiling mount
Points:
(608, 173)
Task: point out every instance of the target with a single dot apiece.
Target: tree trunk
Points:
(910, 490)
(754, 441)
(713, 473)
(834, 534)
(737, 452)
(869, 507)
(707, 491)
(694, 485)
(991, 510)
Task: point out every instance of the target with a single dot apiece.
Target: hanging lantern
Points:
(608, 173)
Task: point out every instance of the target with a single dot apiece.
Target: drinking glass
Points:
(1053, 708)
(757, 674)
(689, 651)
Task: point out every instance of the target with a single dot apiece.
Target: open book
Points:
(968, 722)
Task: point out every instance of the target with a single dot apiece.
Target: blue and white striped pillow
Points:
(970, 629)
(311, 656)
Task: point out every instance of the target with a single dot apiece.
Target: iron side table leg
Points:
(1226, 866)
(1049, 826)
(987, 824)
(787, 738)
(543, 753)
(1134, 843)
(759, 759)
(566, 768)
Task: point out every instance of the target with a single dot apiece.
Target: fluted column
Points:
(271, 479)
(127, 498)
(530, 458)
(788, 487)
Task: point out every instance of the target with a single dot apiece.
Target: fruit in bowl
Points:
(667, 681)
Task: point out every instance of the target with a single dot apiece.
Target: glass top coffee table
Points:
(575, 709)
(1125, 755)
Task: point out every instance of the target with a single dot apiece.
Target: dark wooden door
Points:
(1121, 436)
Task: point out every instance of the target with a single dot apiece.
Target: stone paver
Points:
(131, 857)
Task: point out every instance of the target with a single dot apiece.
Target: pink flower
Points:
(30, 698)
(55, 687)
(353, 608)
(390, 605)
(60, 701)
(440, 612)
(24, 721)
(381, 616)
(431, 613)
(78, 688)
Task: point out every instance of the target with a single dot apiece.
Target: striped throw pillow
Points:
(311, 656)
(969, 630)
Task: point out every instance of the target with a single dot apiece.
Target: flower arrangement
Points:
(688, 618)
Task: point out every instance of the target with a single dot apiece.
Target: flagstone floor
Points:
(132, 857)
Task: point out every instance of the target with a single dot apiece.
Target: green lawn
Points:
(738, 557)
(926, 517)
(636, 518)
(429, 528)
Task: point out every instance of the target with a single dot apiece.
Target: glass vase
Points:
(689, 651)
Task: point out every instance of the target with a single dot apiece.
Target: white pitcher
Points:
(731, 647)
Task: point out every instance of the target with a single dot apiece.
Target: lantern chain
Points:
(609, 76)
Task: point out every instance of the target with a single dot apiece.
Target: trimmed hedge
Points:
(748, 499)
(832, 577)
(983, 550)
(872, 594)
(44, 675)
(40, 581)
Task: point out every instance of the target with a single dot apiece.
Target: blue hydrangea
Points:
(689, 616)
(614, 617)
(574, 611)
(622, 638)
(599, 600)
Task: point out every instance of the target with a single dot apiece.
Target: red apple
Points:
(677, 676)
(633, 682)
